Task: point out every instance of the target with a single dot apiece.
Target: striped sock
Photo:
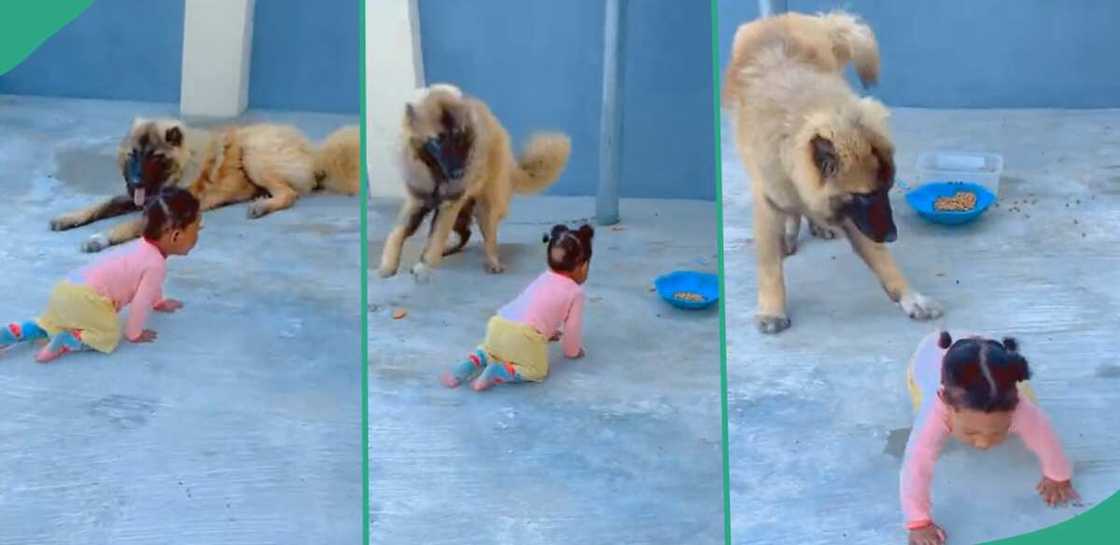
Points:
(465, 370)
(498, 372)
(63, 343)
(17, 332)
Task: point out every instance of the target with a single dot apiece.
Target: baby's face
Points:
(979, 429)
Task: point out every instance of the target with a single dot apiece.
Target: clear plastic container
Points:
(960, 166)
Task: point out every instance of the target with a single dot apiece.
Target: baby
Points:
(82, 311)
(975, 390)
(516, 345)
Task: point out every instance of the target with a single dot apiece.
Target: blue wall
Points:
(306, 56)
(117, 49)
(539, 66)
(985, 53)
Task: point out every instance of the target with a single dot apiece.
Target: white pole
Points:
(217, 48)
(610, 126)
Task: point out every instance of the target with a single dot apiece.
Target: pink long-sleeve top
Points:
(130, 275)
(553, 302)
(932, 428)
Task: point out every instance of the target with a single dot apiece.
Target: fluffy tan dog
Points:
(813, 148)
(459, 166)
(222, 166)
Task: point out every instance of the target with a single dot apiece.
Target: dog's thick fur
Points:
(812, 146)
(276, 163)
(490, 177)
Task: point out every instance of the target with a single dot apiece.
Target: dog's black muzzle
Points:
(871, 213)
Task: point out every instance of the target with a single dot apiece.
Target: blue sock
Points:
(471, 367)
(17, 332)
(497, 372)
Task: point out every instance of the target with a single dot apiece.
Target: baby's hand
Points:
(929, 535)
(578, 356)
(555, 337)
(168, 305)
(145, 336)
(1056, 493)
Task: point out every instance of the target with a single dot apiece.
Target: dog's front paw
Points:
(823, 231)
(62, 224)
(421, 273)
(386, 272)
(920, 307)
(257, 210)
(494, 267)
(771, 324)
(95, 243)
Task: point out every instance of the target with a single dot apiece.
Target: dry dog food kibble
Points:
(961, 201)
(688, 296)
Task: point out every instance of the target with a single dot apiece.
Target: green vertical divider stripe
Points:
(26, 24)
(718, 153)
(364, 204)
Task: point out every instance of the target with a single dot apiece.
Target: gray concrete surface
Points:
(622, 446)
(819, 413)
(241, 423)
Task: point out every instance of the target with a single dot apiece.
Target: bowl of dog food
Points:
(690, 290)
(954, 187)
(950, 203)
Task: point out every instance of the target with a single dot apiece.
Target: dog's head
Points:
(151, 156)
(846, 169)
(440, 135)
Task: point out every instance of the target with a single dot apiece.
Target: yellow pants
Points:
(517, 344)
(77, 307)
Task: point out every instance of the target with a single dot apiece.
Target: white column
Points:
(394, 69)
(217, 47)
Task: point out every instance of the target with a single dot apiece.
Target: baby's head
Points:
(172, 221)
(569, 251)
(979, 379)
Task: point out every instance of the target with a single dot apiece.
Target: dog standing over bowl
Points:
(459, 166)
(814, 149)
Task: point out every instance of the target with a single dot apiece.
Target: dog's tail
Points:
(542, 162)
(828, 41)
(338, 162)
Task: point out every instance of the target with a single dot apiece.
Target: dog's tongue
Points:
(138, 196)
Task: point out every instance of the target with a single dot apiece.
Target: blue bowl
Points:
(921, 199)
(704, 284)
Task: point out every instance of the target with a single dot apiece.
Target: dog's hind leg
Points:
(822, 231)
(116, 206)
(281, 196)
(462, 227)
(879, 259)
(489, 217)
(411, 216)
(123, 232)
(790, 234)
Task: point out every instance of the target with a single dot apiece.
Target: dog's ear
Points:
(173, 136)
(825, 157)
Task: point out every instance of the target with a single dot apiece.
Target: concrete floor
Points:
(240, 423)
(622, 446)
(818, 415)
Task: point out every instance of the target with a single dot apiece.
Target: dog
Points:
(458, 165)
(813, 148)
(275, 164)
